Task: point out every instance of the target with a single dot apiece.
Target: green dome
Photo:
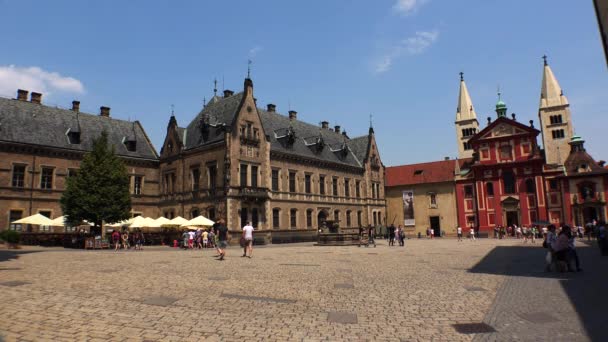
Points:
(500, 104)
(576, 138)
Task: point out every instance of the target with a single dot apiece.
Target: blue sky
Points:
(338, 61)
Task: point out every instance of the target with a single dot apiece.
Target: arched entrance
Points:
(589, 214)
(321, 218)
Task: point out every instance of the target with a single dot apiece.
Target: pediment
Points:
(503, 127)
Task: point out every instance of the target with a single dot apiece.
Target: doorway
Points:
(435, 225)
(512, 218)
(321, 218)
(589, 214)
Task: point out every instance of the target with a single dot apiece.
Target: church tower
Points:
(466, 121)
(555, 118)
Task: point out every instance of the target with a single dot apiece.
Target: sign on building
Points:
(408, 208)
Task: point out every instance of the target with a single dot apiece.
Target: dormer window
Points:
(74, 138)
(131, 145)
(418, 172)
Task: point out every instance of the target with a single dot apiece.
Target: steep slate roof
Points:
(275, 125)
(221, 111)
(432, 172)
(359, 147)
(31, 123)
(218, 111)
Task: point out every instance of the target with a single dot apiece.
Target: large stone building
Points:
(233, 160)
(40, 146)
(244, 163)
(503, 177)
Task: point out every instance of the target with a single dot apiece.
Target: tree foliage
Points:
(100, 190)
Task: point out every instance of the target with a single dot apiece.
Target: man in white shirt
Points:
(248, 237)
(459, 233)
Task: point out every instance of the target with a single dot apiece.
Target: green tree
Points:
(99, 192)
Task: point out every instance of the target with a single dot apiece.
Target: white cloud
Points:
(36, 79)
(254, 51)
(414, 45)
(406, 7)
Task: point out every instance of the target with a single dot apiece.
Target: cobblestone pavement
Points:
(292, 293)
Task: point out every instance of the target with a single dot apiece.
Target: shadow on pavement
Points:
(587, 290)
(10, 254)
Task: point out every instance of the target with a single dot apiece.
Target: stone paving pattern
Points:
(289, 293)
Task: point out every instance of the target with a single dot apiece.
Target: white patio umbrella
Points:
(138, 222)
(151, 223)
(163, 221)
(199, 221)
(58, 221)
(36, 219)
(178, 221)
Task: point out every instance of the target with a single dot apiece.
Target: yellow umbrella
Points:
(36, 219)
(199, 221)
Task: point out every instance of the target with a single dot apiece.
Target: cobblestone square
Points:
(301, 292)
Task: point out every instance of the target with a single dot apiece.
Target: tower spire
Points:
(249, 68)
(465, 110)
(551, 94)
(214, 87)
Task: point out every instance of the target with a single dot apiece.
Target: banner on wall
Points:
(408, 208)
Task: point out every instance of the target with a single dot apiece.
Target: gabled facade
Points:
(243, 163)
(503, 185)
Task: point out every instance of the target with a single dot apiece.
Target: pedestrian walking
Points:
(223, 239)
(549, 243)
(533, 234)
(391, 235)
(459, 233)
(370, 236)
(205, 236)
(116, 240)
(401, 236)
(185, 238)
(198, 238)
(125, 239)
(472, 234)
(248, 237)
(138, 239)
(191, 235)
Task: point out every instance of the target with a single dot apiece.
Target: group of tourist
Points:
(561, 249)
(396, 233)
(125, 240)
(217, 238)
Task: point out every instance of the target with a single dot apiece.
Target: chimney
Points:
(104, 111)
(271, 108)
(228, 93)
(325, 124)
(22, 94)
(76, 106)
(36, 98)
(446, 158)
(601, 163)
(337, 128)
(293, 115)
(513, 116)
(344, 133)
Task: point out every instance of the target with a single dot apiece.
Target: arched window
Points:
(530, 186)
(490, 188)
(509, 182)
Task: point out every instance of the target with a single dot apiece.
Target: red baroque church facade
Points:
(505, 178)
